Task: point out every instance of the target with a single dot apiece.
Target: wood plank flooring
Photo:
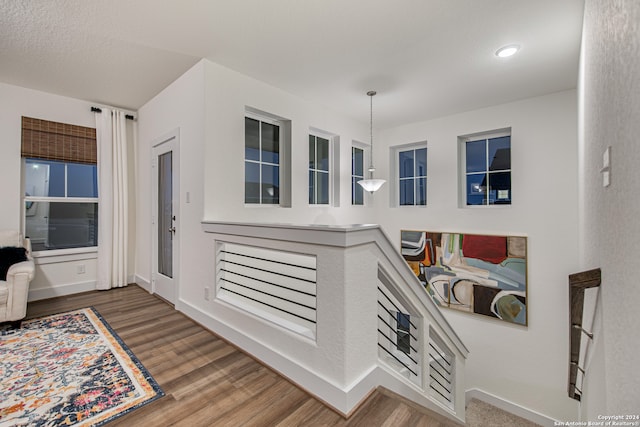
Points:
(207, 381)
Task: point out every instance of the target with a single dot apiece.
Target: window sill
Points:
(64, 255)
(494, 206)
(263, 205)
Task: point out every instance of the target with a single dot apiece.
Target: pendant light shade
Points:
(371, 185)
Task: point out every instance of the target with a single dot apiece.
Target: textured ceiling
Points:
(426, 58)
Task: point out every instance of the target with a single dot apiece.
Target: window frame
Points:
(403, 333)
(354, 177)
(463, 174)
(396, 163)
(329, 172)
(55, 199)
(398, 350)
(281, 139)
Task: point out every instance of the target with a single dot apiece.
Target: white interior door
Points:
(165, 217)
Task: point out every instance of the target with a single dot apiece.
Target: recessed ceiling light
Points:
(507, 51)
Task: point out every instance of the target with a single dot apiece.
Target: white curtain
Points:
(111, 135)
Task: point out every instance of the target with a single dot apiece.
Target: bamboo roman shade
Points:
(42, 139)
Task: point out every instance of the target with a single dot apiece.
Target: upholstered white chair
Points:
(15, 289)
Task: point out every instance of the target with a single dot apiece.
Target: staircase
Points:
(336, 310)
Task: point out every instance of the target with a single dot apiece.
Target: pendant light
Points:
(371, 185)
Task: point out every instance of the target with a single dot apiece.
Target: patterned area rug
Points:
(69, 369)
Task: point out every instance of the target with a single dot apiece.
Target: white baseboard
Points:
(509, 406)
(76, 288)
(142, 282)
(58, 291)
(342, 401)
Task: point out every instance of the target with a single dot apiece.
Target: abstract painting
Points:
(480, 274)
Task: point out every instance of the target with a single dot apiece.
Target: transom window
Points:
(487, 169)
(262, 161)
(319, 170)
(357, 174)
(412, 177)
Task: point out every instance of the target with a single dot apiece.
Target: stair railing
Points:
(337, 310)
(578, 283)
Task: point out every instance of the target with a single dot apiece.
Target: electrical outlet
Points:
(80, 269)
(206, 293)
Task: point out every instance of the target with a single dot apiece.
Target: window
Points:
(60, 185)
(319, 172)
(61, 204)
(357, 174)
(403, 332)
(412, 177)
(262, 161)
(487, 160)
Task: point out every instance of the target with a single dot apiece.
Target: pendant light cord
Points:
(371, 129)
(371, 185)
(371, 167)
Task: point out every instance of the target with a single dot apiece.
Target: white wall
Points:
(180, 106)
(208, 105)
(525, 365)
(610, 230)
(54, 275)
(228, 93)
(16, 102)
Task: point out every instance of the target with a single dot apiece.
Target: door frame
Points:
(168, 142)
